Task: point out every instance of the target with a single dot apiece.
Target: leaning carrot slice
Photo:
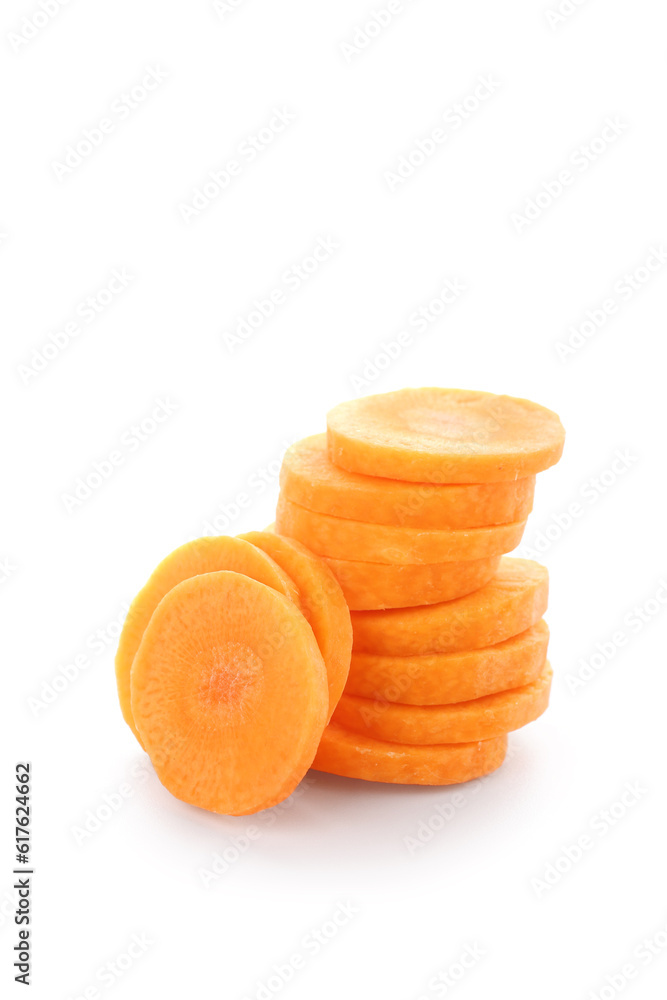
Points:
(309, 477)
(352, 755)
(321, 600)
(229, 693)
(435, 435)
(513, 600)
(203, 555)
(463, 722)
(342, 538)
(373, 586)
(441, 679)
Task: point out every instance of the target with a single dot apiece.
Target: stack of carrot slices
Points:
(413, 498)
(377, 631)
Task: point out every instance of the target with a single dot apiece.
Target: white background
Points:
(67, 574)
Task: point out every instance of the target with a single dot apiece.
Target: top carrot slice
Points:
(321, 601)
(352, 755)
(203, 555)
(435, 435)
(308, 477)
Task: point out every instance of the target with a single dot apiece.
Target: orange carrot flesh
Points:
(229, 693)
(309, 478)
(464, 722)
(342, 538)
(442, 679)
(352, 755)
(321, 601)
(435, 435)
(374, 586)
(204, 555)
(514, 599)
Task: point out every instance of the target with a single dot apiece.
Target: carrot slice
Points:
(342, 538)
(203, 555)
(434, 435)
(374, 586)
(513, 600)
(229, 693)
(352, 755)
(442, 679)
(464, 722)
(321, 600)
(309, 478)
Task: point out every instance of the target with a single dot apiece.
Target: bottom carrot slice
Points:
(352, 755)
(463, 722)
(229, 693)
